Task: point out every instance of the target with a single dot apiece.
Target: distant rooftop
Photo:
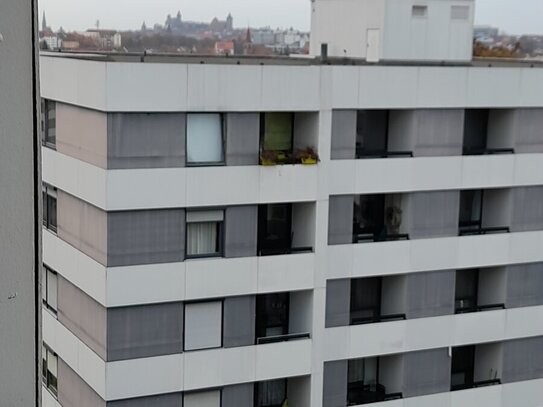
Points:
(296, 60)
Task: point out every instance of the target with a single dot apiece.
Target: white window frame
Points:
(47, 354)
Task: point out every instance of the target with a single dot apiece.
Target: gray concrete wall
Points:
(144, 331)
(426, 372)
(522, 360)
(82, 134)
(430, 294)
(83, 316)
(19, 209)
(427, 132)
(146, 140)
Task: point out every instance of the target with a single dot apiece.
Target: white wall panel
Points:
(87, 364)
(385, 338)
(78, 268)
(369, 259)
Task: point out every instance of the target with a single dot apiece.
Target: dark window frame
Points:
(45, 300)
(50, 385)
(49, 196)
(47, 106)
(220, 238)
(203, 301)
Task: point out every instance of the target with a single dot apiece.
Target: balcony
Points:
(285, 228)
(377, 218)
(479, 290)
(374, 300)
(475, 366)
(283, 317)
(370, 380)
(483, 212)
(288, 138)
(373, 136)
(484, 133)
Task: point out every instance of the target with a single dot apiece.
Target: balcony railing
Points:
(282, 338)
(488, 151)
(468, 230)
(359, 393)
(474, 385)
(479, 308)
(362, 153)
(378, 318)
(379, 237)
(279, 251)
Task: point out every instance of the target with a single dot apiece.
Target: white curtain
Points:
(52, 364)
(201, 238)
(204, 138)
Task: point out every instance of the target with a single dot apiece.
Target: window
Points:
(271, 393)
(49, 369)
(202, 399)
(471, 210)
(465, 298)
(369, 218)
(204, 233)
(48, 123)
(49, 288)
(277, 131)
(272, 315)
(363, 381)
(462, 366)
(459, 12)
(274, 229)
(372, 133)
(205, 138)
(419, 11)
(49, 195)
(365, 300)
(203, 325)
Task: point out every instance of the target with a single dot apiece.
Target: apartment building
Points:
(20, 227)
(196, 254)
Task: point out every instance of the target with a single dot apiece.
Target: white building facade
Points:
(174, 278)
(192, 259)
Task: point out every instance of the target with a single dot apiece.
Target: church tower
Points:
(43, 22)
(229, 22)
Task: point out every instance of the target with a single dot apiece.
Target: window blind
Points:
(203, 325)
(204, 138)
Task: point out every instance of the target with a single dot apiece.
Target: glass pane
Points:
(50, 131)
(271, 393)
(202, 238)
(52, 212)
(204, 138)
(203, 325)
(52, 371)
(272, 315)
(44, 208)
(52, 287)
(371, 131)
(369, 215)
(278, 131)
(44, 364)
(44, 283)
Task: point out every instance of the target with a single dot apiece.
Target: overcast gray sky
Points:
(512, 16)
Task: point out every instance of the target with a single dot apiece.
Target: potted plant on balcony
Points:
(307, 156)
(268, 157)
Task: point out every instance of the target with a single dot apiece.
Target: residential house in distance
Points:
(360, 226)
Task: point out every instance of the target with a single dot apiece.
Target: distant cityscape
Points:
(221, 37)
(177, 35)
